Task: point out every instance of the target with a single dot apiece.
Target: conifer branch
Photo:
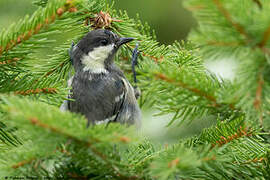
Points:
(257, 101)
(185, 86)
(213, 158)
(22, 163)
(217, 43)
(37, 91)
(156, 59)
(173, 163)
(241, 132)
(255, 160)
(26, 162)
(13, 61)
(192, 93)
(265, 50)
(266, 36)
(258, 98)
(227, 15)
(54, 69)
(36, 122)
(24, 36)
(76, 176)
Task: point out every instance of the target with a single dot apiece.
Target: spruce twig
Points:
(227, 15)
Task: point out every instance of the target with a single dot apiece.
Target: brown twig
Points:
(185, 86)
(173, 163)
(240, 133)
(265, 50)
(22, 163)
(25, 162)
(265, 38)
(258, 98)
(255, 160)
(36, 122)
(54, 69)
(216, 43)
(156, 59)
(227, 15)
(14, 60)
(213, 158)
(257, 101)
(37, 91)
(76, 176)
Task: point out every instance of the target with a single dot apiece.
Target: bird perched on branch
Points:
(100, 91)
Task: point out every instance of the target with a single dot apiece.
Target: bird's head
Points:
(95, 52)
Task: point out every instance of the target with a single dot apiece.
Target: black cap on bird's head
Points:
(99, 38)
(98, 46)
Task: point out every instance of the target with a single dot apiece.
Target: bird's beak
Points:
(124, 41)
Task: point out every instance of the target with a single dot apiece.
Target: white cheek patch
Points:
(94, 60)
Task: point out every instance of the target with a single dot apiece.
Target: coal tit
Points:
(99, 89)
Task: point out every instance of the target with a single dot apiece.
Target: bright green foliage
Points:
(238, 30)
(38, 140)
(47, 127)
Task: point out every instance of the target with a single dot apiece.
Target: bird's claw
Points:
(134, 62)
(135, 54)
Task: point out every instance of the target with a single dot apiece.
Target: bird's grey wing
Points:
(129, 112)
(126, 109)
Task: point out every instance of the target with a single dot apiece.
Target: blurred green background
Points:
(168, 18)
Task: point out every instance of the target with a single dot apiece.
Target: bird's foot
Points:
(134, 61)
(135, 54)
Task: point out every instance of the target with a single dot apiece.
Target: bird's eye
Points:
(104, 42)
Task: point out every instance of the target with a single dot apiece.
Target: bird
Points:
(99, 89)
